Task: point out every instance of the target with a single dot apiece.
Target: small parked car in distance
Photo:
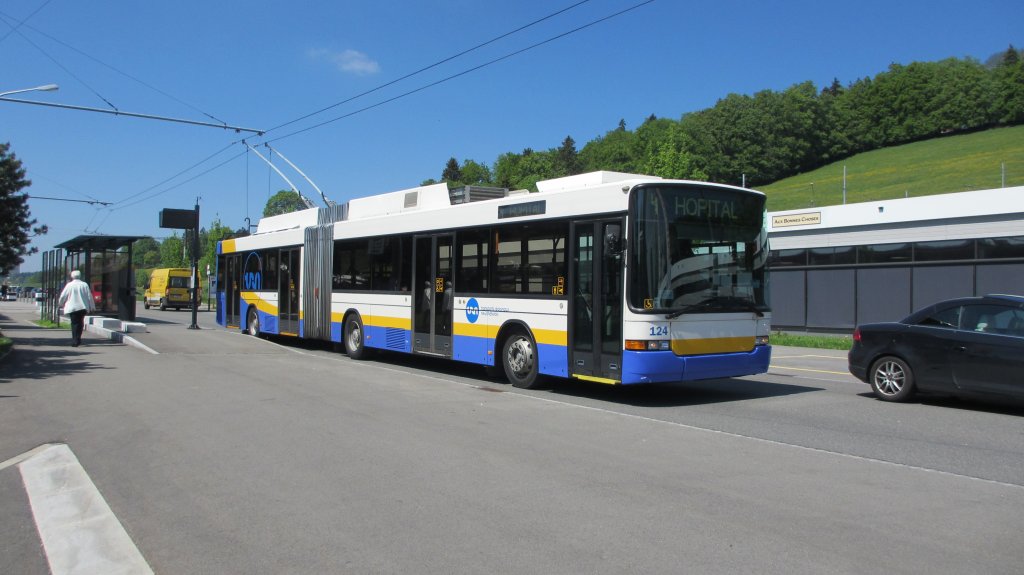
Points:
(965, 346)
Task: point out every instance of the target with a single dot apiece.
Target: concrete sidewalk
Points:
(160, 336)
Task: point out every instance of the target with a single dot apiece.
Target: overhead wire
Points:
(22, 22)
(142, 194)
(431, 66)
(115, 69)
(63, 67)
(465, 72)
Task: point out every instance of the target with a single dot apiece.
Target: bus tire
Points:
(353, 337)
(252, 324)
(519, 358)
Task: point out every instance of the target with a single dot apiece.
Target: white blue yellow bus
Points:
(605, 277)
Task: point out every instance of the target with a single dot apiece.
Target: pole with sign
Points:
(187, 220)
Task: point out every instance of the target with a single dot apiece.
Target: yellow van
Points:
(168, 287)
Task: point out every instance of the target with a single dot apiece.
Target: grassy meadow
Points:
(938, 166)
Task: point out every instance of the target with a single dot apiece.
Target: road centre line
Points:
(807, 369)
(809, 355)
(818, 450)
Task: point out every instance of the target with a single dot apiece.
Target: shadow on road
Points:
(37, 359)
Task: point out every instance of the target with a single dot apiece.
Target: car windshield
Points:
(697, 249)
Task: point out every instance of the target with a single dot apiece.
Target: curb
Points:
(119, 337)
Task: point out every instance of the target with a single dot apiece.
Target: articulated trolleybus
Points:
(605, 277)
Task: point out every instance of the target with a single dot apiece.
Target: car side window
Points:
(948, 318)
(997, 319)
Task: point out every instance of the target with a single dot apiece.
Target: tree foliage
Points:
(283, 202)
(16, 224)
(772, 134)
(172, 253)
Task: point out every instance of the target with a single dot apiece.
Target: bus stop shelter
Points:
(106, 265)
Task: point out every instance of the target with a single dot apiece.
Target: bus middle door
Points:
(433, 302)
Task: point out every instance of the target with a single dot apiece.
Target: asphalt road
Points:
(229, 454)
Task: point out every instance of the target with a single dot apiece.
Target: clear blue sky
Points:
(260, 64)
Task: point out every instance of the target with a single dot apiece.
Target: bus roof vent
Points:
(587, 180)
(467, 194)
(429, 197)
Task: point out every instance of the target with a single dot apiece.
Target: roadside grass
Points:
(51, 325)
(937, 166)
(843, 342)
(5, 345)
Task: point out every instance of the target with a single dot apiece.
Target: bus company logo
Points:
(472, 310)
(252, 281)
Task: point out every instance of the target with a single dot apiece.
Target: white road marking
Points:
(79, 532)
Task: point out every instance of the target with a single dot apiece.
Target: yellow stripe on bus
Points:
(388, 321)
(712, 345)
(252, 298)
(227, 246)
(596, 379)
(544, 336)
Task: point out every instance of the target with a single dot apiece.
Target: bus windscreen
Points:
(696, 249)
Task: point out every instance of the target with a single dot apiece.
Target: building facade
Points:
(835, 267)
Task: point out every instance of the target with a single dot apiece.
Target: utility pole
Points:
(844, 184)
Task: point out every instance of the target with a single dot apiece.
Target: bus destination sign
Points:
(522, 210)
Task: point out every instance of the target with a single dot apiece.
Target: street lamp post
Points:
(43, 88)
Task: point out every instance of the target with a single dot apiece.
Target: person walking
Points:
(76, 301)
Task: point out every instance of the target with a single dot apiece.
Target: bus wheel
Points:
(253, 324)
(519, 358)
(355, 347)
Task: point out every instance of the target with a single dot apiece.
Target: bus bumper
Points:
(666, 366)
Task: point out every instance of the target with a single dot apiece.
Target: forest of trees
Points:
(773, 135)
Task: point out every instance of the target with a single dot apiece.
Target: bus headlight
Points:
(648, 345)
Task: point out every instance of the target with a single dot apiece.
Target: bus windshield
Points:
(696, 249)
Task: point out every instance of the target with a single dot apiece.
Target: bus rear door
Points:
(432, 307)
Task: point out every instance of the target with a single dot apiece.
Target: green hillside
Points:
(937, 166)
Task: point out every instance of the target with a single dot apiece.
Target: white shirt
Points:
(76, 296)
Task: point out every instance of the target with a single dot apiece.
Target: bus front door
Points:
(432, 307)
(596, 308)
(288, 292)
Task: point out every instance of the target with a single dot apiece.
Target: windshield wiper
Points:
(690, 308)
(720, 303)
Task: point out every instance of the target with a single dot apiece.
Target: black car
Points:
(964, 346)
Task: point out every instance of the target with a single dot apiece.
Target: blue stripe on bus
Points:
(473, 349)
(268, 323)
(336, 331)
(666, 366)
(389, 338)
(554, 359)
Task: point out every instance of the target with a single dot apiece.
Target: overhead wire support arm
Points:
(117, 112)
(305, 200)
(301, 173)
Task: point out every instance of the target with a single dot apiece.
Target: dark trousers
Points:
(77, 325)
